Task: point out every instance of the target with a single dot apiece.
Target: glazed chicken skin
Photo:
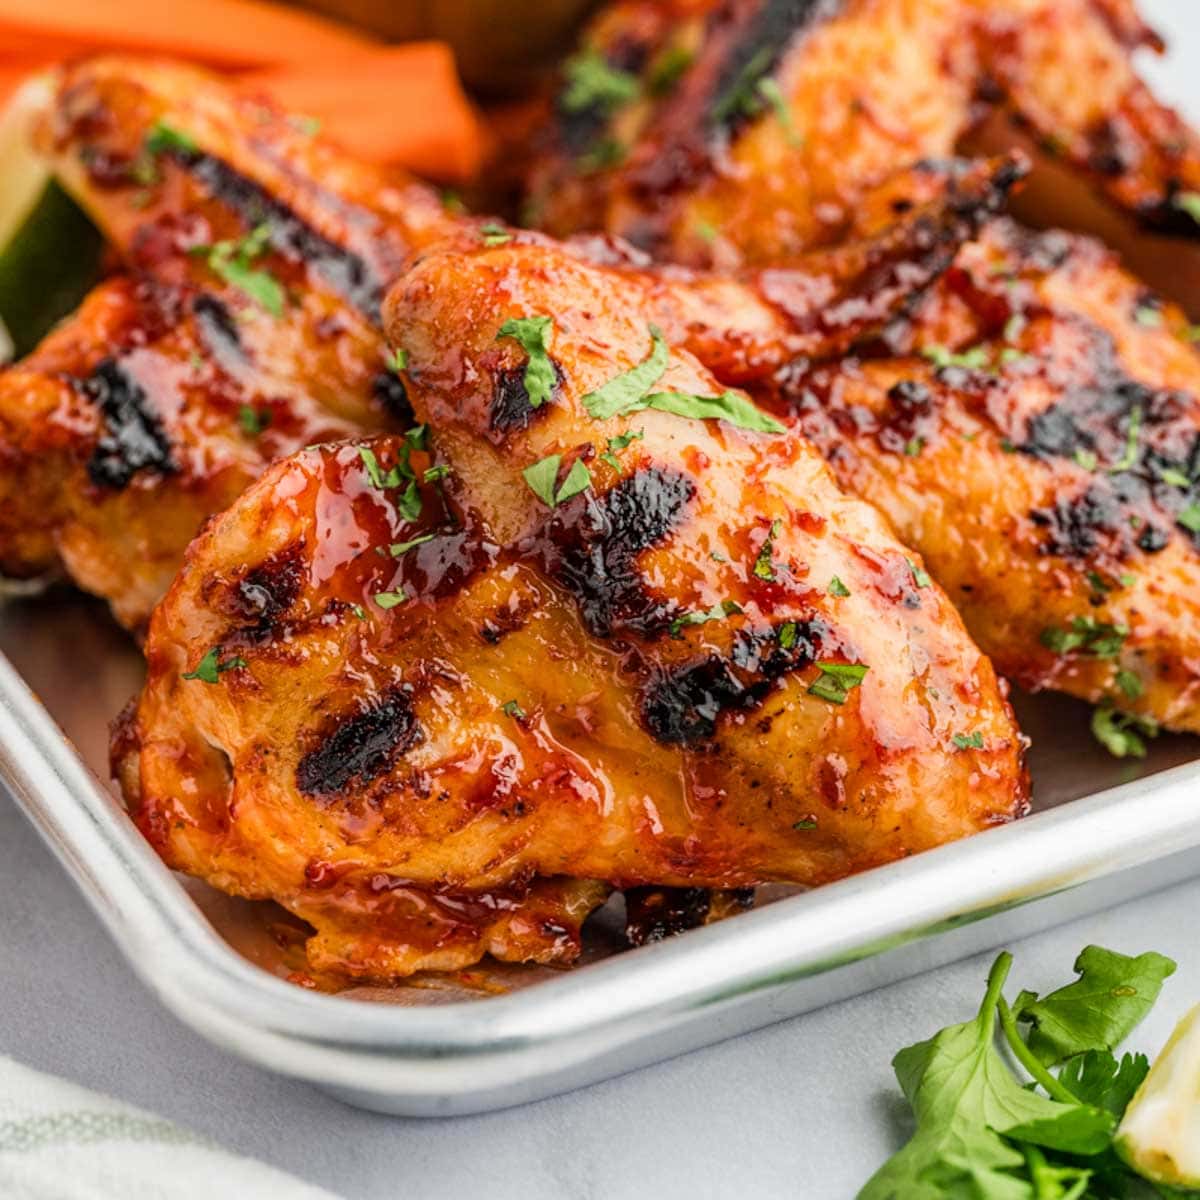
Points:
(249, 327)
(1043, 454)
(731, 131)
(675, 653)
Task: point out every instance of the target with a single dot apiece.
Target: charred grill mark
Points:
(653, 914)
(511, 410)
(590, 546)
(218, 330)
(346, 272)
(443, 566)
(755, 55)
(359, 748)
(1168, 216)
(681, 703)
(1148, 441)
(388, 388)
(132, 439)
(271, 588)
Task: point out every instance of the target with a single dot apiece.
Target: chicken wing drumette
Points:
(249, 327)
(748, 130)
(630, 647)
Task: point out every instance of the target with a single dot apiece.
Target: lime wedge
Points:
(50, 253)
(1159, 1136)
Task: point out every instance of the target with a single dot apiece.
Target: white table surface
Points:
(801, 1111)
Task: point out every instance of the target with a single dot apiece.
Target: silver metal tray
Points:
(1102, 831)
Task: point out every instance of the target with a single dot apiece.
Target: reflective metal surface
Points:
(1103, 831)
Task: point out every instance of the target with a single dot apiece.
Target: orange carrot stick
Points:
(396, 104)
(222, 33)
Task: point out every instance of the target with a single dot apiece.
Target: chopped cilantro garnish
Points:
(974, 359)
(837, 587)
(625, 392)
(1174, 477)
(530, 334)
(667, 68)
(542, 476)
(163, 138)
(1086, 634)
(494, 234)
(804, 823)
(1189, 518)
(764, 568)
(375, 472)
(594, 83)
(1189, 202)
(1086, 459)
(725, 608)
(706, 231)
(914, 446)
(231, 261)
(433, 474)
(398, 548)
(399, 360)
(1148, 315)
(607, 152)
(359, 611)
(968, 741)
(510, 708)
(717, 556)
(1129, 683)
(619, 443)
(387, 600)
(837, 680)
(771, 92)
(729, 406)
(1128, 460)
(787, 635)
(211, 667)
(920, 577)
(743, 97)
(252, 420)
(1122, 734)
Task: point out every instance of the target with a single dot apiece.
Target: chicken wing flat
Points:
(1043, 453)
(638, 637)
(250, 327)
(719, 131)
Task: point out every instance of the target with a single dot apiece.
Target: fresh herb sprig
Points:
(982, 1132)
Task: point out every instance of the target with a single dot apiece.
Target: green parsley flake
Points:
(210, 667)
(974, 359)
(398, 548)
(607, 152)
(787, 635)
(667, 68)
(1189, 202)
(387, 600)
(1148, 316)
(1086, 459)
(231, 261)
(764, 568)
(920, 577)
(706, 231)
(1189, 518)
(164, 139)
(494, 234)
(1122, 734)
(619, 443)
(399, 360)
(968, 741)
(592, 83)
(805, 823)
(914, 446)
(375, 472)
(625, 392)
(1128, 460)
(771, 92)
(530, 334)
(510, 708)
(1087, 635)
(433, 474)
(718, 612)
(837, 588)
(1174, 477)
(542, 476)
(743, 97)
(837, 680)
(252, 421)
(359, 611)
(1129, 683)
(729, 406)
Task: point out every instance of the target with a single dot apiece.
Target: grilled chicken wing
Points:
(626, 649)
(719, 131)
(1044, 456)
(260, 256)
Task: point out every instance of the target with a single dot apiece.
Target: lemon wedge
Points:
(1159, 1136)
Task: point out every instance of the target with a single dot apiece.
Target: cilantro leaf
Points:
(530, 334)
(729, 406)
(211, 667)
(594, 83)
(724, 608)
(1097, 1078)
(1189, 202)
(396, 549)
(1128, 459)
(919, 574)
(968, 741)
(837, 680)
(494, 234)
(1122, 734)
(965, 1099)
(837, 588)
(231, 261)
(763, 567)
(623, 392)
(510, 708)
(542, 476)
(1100, 1009)
(390, 599)
(375, 472)
(252, 420)
(164, 138)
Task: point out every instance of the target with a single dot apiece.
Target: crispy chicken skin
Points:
(1047, 469)
(624, 688)
(719, 131)
(174, 388)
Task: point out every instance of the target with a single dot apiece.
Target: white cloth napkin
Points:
(58, 1141)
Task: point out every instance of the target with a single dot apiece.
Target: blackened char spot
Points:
(218, 330)
(681, 704)
(345, 271)
(653, 914)
(358, 748)
(388, 388)
(132, 437)
(591, 544)
(756, 54)
(271, 588)
(511, 409)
